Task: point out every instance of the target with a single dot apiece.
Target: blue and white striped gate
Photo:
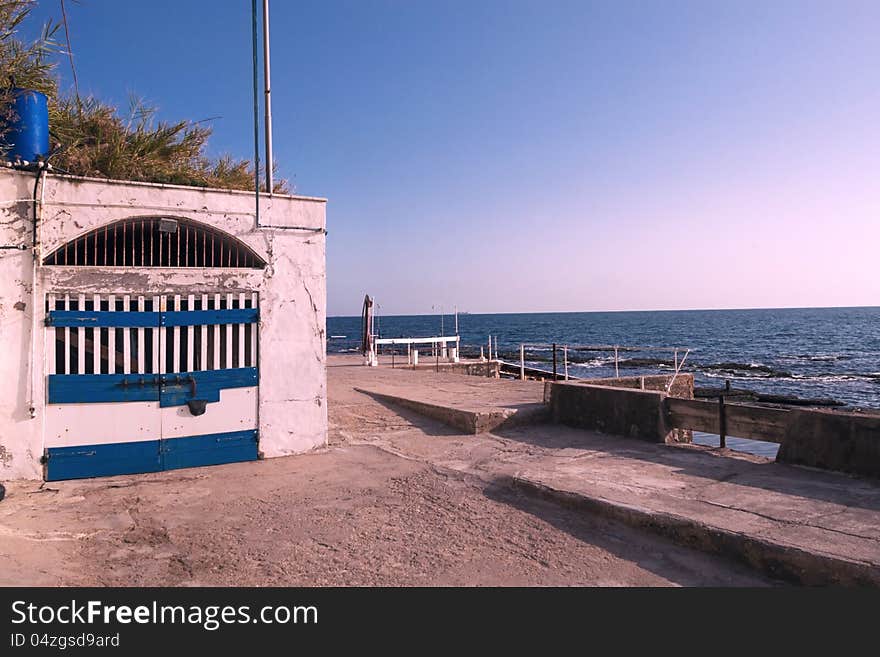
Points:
(143, 383)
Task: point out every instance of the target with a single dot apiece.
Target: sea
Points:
(828, 353)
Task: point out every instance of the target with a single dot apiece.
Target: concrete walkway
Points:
(473, 404)
(803, 525)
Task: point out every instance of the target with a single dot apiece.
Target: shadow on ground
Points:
(711, 463)
(680, 565)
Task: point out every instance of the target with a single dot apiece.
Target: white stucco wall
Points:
(292, 289)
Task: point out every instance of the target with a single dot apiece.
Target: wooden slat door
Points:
(140, 383)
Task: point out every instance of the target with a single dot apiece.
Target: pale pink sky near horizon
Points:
(775, 203)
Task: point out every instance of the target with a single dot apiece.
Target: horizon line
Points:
(575, 312)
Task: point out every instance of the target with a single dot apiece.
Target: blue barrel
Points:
(28, 134)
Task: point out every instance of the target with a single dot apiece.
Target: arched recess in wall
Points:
(156, 242)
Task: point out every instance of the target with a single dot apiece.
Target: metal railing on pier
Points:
(676, 363)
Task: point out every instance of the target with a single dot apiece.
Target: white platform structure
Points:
(440, 346)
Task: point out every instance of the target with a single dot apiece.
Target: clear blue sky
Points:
(528, 156)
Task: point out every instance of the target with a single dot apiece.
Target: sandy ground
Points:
(356, 513)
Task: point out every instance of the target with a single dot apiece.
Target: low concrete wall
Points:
(682, 388)
(620, 411)
(832, 440)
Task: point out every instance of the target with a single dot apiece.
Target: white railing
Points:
(439, 344)
(677, 364)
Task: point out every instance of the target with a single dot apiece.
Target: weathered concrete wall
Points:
(848, 442)
(682, 388)
(292, 289)
(20, 436)
(619, 411)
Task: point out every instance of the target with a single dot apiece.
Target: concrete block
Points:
(832, 440)
(634, 413)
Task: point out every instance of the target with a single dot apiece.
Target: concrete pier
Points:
(794, 523)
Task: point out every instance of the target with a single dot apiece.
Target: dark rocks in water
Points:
(644, 362)
(734, 368)
(793, 400)
(703, 392)
(740, 395)
(605, 349)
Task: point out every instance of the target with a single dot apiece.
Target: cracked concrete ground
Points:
(394, 500)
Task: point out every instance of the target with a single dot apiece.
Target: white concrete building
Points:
(147, 327)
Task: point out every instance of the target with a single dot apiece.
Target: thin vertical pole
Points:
(256, 115)
(554, 361)
(616, 364)
(522, 362)
(267, 82)
(565, 360)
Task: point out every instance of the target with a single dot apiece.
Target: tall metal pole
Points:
(267, 79)
(256, 116)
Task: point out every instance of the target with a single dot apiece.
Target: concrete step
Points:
(472, 418)
(804, 554)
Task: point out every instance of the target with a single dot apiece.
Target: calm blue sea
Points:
(815, 352)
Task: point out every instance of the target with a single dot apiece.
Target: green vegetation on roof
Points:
(91, 138)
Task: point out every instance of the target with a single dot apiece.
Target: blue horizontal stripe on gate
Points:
(209, 449)
(84, 461)
(168, 389)
(121, 319)
(201, 317)
(142, 319)
(177, 391)
(95, 388)
(102, 460)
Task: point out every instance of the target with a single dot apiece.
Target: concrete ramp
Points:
(461, 410)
